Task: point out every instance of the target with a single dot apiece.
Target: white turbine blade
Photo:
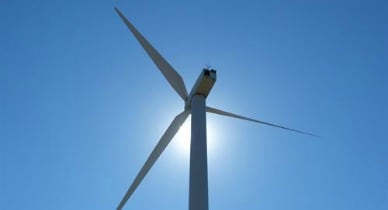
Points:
(220, 112)
(159, 148)
(167, 70)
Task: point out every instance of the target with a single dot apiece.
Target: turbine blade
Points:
(159, 148)
(228, 114)
(167, 70)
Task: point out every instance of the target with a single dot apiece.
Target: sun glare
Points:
(183, 136)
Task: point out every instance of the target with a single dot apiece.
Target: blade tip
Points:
(118, 11)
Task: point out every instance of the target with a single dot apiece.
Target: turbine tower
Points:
(195, 104)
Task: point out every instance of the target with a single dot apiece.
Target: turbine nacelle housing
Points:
(203, 85)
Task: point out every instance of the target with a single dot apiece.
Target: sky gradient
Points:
(82, 105)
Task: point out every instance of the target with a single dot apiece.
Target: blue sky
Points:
(81, 104)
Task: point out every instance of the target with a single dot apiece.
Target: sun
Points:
(183, 136)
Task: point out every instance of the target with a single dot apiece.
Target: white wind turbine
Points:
(195, 104)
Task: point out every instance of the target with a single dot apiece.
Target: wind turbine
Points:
(195, 104)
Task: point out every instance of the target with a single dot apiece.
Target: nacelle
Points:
(204, 84)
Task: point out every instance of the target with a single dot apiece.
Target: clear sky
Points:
(82, 105)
